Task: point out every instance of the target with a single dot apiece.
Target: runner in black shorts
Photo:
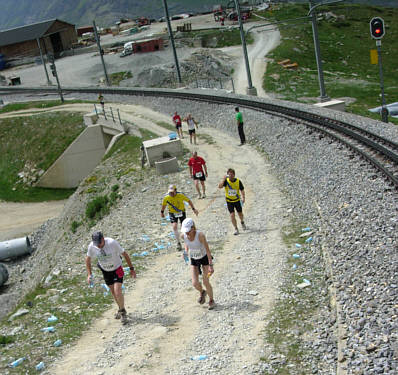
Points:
(197, 248)
(235, 197)
(109, 254)
(198, 171)
(174, 201)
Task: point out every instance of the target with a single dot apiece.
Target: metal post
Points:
(95, 109)
(104, 113)
(251, 90)
(43, 62)
(233, 86)
(101, 53)
(55, 74)
(166, 11)
(113, 118)
(323, 97)
(384, 110)
(118, 115)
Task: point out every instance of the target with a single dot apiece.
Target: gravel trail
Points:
(167, 325)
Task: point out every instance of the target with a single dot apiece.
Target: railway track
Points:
(378, 151)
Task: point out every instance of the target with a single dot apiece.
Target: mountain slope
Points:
(82, 12)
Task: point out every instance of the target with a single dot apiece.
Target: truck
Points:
(127, 49)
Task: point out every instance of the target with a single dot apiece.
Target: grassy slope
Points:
(37, 141)
(345, 46)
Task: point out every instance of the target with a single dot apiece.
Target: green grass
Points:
(116, 78)
(219, 38)
(345, 49)
(34, 142)
(37, 104)
(166, 125)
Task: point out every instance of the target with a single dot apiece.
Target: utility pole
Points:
(323, 97)
(43, 62)
(251, 90)
(377, 31)
(101, 51)
(166, 11)
(53, 68)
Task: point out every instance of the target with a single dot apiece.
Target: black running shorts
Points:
(234, 206)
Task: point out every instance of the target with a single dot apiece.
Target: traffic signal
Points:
(377, 28)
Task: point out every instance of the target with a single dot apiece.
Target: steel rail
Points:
(352, 131)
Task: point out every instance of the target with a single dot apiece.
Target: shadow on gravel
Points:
(163, 320)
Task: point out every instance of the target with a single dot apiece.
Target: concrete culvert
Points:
(3, 274)
(15, 248)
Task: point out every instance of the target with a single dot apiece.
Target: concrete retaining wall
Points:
(78, 160)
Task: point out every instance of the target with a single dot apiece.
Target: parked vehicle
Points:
(127, 49)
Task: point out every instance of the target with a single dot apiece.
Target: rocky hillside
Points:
(82, 12)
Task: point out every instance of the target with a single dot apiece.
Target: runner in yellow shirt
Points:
(235, 197)
(174, 200)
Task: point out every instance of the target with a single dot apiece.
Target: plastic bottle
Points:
(199, 357)
(91, 282)
(48, 329)
(186, 259)
(40, 366)
(52, 319)
(308, 240)
(17, 362)
(57, 343)
(294, 266)
(107, 290)
(296, 256)
(298, 245)
(306, 229)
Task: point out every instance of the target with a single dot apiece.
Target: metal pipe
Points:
(242, 37)
(101, 52)
(15, 248)
(166, 11)
(384, 110)
(3, 274)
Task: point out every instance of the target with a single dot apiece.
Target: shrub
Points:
(98, 207)
(74, 225)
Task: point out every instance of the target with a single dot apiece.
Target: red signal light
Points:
(377, 28)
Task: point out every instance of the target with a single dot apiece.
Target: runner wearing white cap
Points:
(174, 200)
(199, 252)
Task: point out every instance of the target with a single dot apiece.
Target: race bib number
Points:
(106, 262)
(178, 214)
(195, 253)
(232, 192)
(198, 174)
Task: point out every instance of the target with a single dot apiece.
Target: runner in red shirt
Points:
(198, 171)
(178, 123)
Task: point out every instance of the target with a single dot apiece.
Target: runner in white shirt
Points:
(191, 127)
(109, 253)
(199, 253)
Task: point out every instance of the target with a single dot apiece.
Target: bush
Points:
(98, 207)
(115, 187)
(74, 225)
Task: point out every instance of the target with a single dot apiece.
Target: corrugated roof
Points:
(24, 33)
